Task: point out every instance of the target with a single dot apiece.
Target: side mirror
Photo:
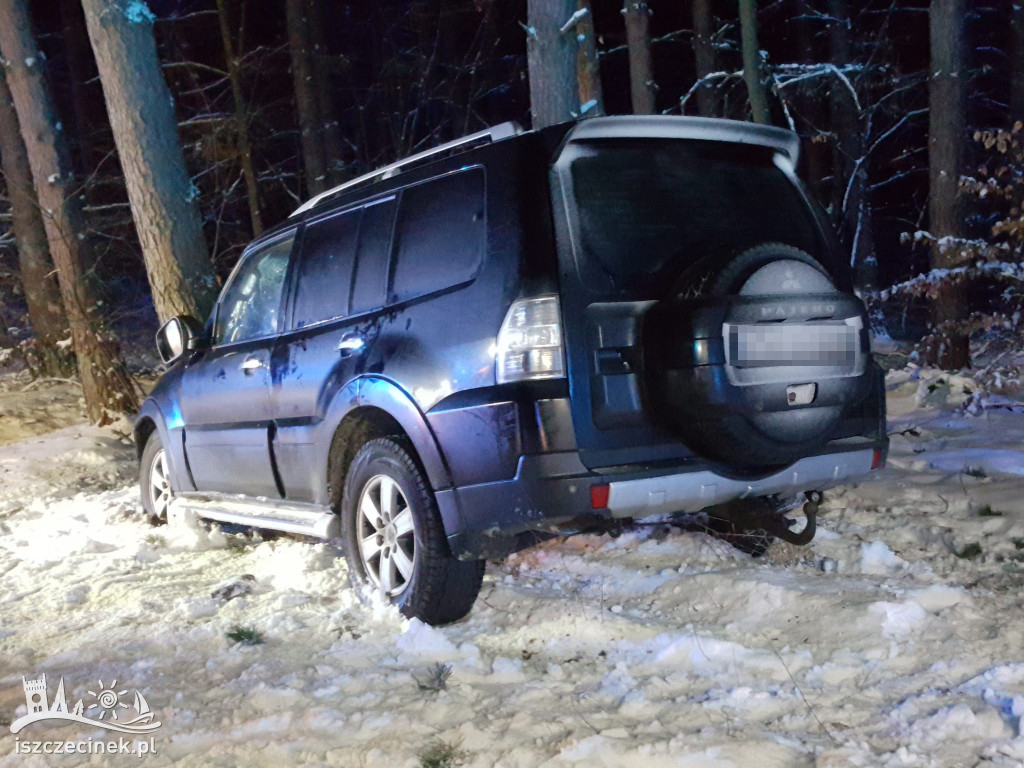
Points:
(177, 335)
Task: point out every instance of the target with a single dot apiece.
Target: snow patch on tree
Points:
(137, 12)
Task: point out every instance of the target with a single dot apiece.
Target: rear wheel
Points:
(155, 480)
(394, 540)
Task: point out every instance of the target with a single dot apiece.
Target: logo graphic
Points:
(109, 710)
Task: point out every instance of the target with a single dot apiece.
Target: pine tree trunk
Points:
(38, 279)
(1017, 63)
(850, 206)
(327, 113)
(80, 69)
(752, 62)
(160, 191)
(638, 38)
(704, 54)
(945, 157)
(313, 155)
(551, 55)
(241, 120)
(105, 383)
(588, 67)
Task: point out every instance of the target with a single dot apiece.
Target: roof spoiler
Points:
(699, 128)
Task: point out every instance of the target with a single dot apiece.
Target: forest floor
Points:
(895, 639)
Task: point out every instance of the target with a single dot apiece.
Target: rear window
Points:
(441, 234)
(650, 209)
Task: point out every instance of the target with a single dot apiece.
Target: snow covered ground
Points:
(895, 639)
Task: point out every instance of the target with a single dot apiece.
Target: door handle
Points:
(350, 343)
(251, 364)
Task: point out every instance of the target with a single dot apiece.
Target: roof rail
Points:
(492, 134)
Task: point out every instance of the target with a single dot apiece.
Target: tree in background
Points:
(752, 62)
(312, 122)
(38, 280)
(850, 204)
(105, 383)
(241, 113)
(551, 51)
(949, 347)
(637, 15)
(588, 66)
(1017, 63)
(161, 194)
(704, 56)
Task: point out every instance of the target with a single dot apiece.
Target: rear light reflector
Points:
(599, 496)
(529, 344)
(876, 459)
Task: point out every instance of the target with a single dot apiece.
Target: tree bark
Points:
(1017, 63)
(160, 191)
(588, 67)
(945, 157)
(108, 389)
(551, 56)
(850, 206)
(638, 39)
(80, 69)
(313, 155)
(241, 119)
(752, 62)
(38, 279)
(704, 54)
(327, 116)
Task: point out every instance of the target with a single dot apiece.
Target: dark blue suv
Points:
(521, 334)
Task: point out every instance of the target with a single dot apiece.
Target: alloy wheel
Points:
(386, 534)
(159, 485)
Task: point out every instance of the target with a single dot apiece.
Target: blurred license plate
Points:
(756, 346)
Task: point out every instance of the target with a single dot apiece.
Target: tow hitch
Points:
(781, 526)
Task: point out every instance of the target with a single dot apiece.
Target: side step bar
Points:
(308, 520)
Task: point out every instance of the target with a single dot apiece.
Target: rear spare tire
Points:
(752, 363)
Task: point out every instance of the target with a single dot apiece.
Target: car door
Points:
(337, 296)
(225, 398)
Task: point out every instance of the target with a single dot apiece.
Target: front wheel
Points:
(394, 540)
(155, 480)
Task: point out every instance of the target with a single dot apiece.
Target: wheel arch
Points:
(378, 408)
(150, 420)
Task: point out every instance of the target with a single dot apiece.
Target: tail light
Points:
(876, 459)
(529, 344)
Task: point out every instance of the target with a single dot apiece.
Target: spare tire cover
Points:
(736, 427)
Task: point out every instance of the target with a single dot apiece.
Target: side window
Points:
(250, 305)
(441, 234)
(373, 256)
(324, 278)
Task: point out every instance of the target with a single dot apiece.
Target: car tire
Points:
(394, 540)
(155, 480)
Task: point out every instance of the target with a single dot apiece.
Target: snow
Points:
(137, 12)
(877, 645)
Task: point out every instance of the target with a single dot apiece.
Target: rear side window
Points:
(373, 256)
(441, 234)
(324, 280)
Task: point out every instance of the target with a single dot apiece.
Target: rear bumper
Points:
(693, 491)
(552, 491)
